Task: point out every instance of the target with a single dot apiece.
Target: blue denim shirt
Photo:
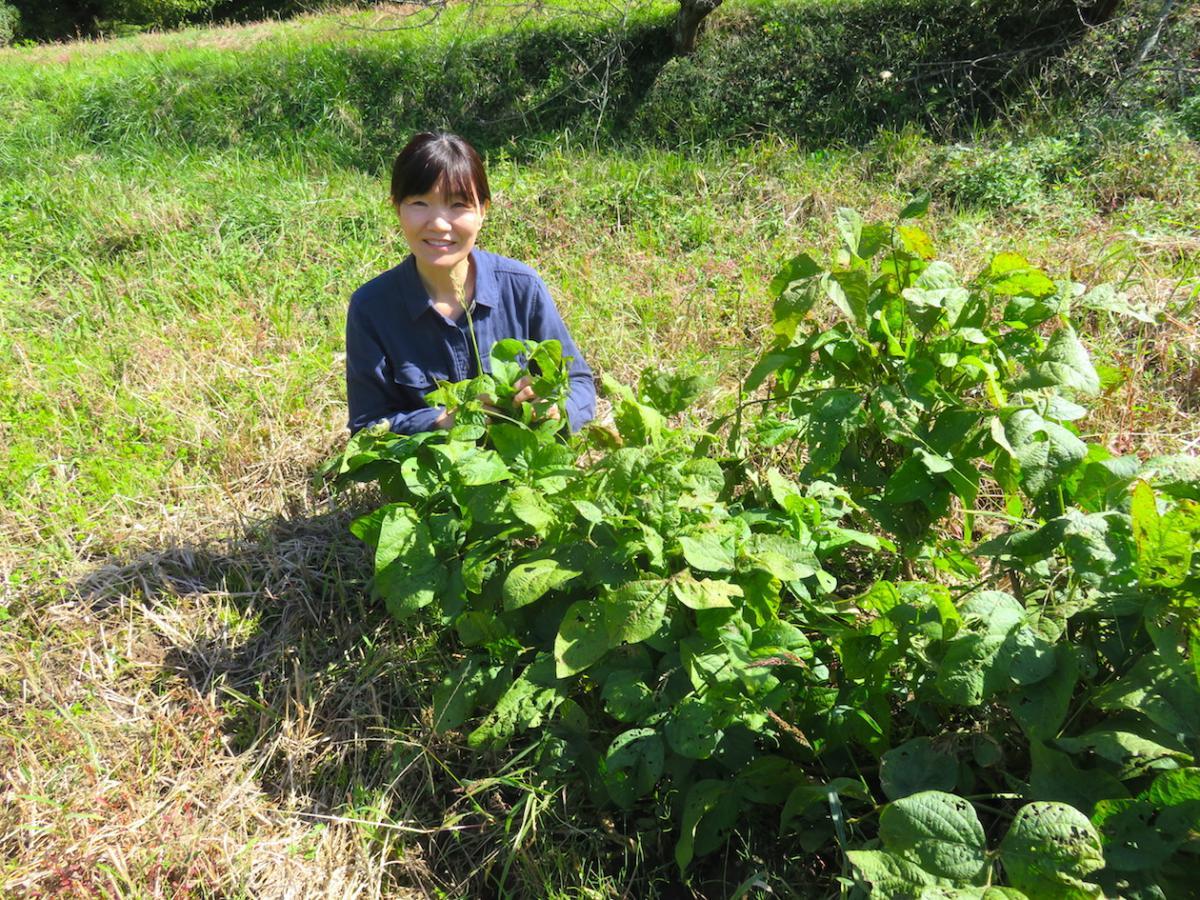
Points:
(398, 346)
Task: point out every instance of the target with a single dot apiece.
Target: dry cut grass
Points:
(121, 770)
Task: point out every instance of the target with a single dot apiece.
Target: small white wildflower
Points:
(885, 75)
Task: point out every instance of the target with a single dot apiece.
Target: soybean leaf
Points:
(1046, 451)
(528, 582)
(690, 729)
(530, 507)
(633, 765)
(1048, 851)
(1106, 298)
(799, 268)
(709, 551)
(938, 832)
(590, 628)
(1133, 753)
(479, 627)
(804, 796)
(849, 225)
(408, 573)
(1164, 550)
(885, 875)
(527, 703)
(1012, 275)
(973, 666)
(833, 417)
(764, 779)
(1133, 840)
(1099, 548)
(916, 240)
(710, 803)
(480, 467)
(708, 593)
(1064, 364)
(1161, 691)
(1054, 777)
(938, 892)
(1178, 475)
(669, 392)
(626, 696)
(917, 765)
(850, 293)
(770, 363)
(505, 359)
(1040, 708)
(917, 206)
(454, 698)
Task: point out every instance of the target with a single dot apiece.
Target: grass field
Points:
(196, 697)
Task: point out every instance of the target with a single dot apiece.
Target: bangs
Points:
(443, 163)
(455, 184)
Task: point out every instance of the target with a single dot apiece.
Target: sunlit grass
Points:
(183, 616)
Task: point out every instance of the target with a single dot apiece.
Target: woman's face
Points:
(440, 228)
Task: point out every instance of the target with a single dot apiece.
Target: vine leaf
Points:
(1164, 552)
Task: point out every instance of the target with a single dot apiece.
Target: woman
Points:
(407, 329)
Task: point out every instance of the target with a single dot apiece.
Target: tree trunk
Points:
(687, 23)
(1152, 36)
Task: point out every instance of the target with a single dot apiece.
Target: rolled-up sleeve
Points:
(371, 394)
(546, 323)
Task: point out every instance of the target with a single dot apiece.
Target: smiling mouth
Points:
(440, 245)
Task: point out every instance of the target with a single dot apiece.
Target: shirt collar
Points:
(416, 299)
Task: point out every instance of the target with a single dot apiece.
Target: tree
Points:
(692, 14)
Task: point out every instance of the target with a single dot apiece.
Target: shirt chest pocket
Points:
(413, 382)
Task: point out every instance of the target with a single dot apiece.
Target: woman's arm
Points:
(371, 394)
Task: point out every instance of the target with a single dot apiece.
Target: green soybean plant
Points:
(615, 602)
(911, 621)
(927, 379)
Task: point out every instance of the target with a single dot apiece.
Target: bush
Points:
(9, 20)
(1012, 175)
(838, 73)
(1189, 116)
(154, 13)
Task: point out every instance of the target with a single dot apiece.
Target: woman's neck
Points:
(449, 288)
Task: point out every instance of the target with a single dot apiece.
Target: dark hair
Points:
(433, 157)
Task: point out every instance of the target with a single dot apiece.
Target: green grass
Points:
(173, 278)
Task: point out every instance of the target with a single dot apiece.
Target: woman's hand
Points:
(525, 394)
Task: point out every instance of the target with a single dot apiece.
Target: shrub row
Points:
(40, 20)
(822, 74)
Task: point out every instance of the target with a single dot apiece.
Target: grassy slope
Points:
(170, 378)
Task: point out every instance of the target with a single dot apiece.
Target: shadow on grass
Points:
(327, 701)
